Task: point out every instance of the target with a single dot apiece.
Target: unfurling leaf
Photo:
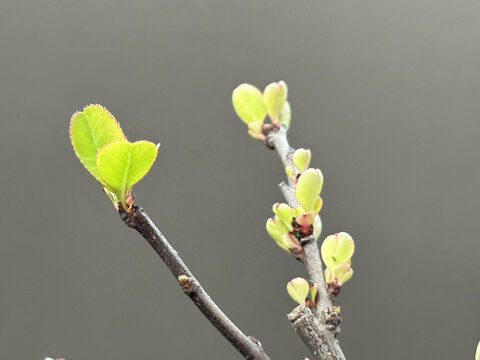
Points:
(275, 233)
(308, 189)
(248, 104)
(285, 213)
(277, 229)
(337, 249)
(301, 159)
(342, 273)
(274, 97)
(90, 130)
(122, 164)
(289, 171)
(298, 289)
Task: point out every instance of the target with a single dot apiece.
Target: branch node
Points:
(188, 284)
(255, 341)
(307, 240)
(331, 317)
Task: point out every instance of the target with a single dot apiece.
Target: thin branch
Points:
(249, 347)
(317, 330)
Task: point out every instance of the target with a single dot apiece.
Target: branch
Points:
(317, 329)
(249, 347)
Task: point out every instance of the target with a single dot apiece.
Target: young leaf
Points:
(248, 104)
(90, 130)
(301, 159)
(122, 164)
(289, 171)
(274, 97)
(275, 233)
(337, 249)
(308, 189)
(342, 273)
(285, 213)
(298, 289)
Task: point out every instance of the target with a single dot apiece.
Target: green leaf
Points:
(122, 164)
(298, 289)
(337, 249)
(285, 213)
(301, 159)
(308, 189)
(275, 233)
(277, 229)
(342, 273)
(285, 115)
(274, 97)
(90, 130)
(248, 104)
(289, 171)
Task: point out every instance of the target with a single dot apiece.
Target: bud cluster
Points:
(294, 226)
(291, 224)
(299, 289)
(337, 251)
(252, 106)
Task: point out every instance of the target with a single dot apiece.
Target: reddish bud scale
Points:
(301, 231)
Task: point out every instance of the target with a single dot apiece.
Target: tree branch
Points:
(317, 329)
(249, 347)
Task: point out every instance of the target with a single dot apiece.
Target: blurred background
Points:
(386, 94)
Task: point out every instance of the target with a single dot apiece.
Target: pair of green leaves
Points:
(299, 288)
(102, 147)
(252, 106)
(337, 251)
(307, 193)
(301, 161)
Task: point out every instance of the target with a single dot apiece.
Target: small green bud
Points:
(275, 233)
(308, 189)
(277, 229)
(301, 159)
(285, 213)
(342, 273)
(337, 249)
(329, 276)
(289, 171)
(285, 115)
(298, 289)
(274, 97)
(248, 104)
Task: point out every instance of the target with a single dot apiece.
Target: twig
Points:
(249, 347)
(317, 329)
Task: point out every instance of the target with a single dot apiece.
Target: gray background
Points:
(385, 94)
